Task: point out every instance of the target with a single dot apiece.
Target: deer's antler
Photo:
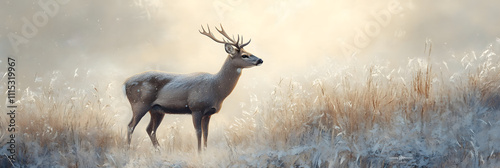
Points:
(209, 34)
(233, 42)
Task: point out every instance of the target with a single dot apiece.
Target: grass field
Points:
(420, 115)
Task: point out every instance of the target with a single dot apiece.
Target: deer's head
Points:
(239, 57)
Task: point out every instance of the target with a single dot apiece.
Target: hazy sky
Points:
(153, 34)
(114, 39)
(291, 32)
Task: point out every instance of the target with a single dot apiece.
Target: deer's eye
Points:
(244, 56)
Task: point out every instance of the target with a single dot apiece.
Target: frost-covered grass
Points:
(420, 115)
(59, 125)
(407, 117)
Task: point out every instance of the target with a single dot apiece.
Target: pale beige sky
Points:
(295, 33)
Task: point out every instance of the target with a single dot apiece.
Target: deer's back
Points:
(144, 87)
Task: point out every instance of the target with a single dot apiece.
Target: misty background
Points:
(105, 42)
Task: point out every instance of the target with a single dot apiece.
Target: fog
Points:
(108, 41)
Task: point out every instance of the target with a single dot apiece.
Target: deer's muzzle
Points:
(259, 62)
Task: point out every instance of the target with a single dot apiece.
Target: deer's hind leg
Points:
(156, 118)
(139, 110)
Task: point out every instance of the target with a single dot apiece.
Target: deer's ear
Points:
(230, 49)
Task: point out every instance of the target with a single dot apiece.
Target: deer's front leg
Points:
(204, 124)
(197, 116)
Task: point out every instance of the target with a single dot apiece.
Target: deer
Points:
(199, 94)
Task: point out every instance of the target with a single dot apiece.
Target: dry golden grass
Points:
(414, 118)
(64, 126)
(357, 117)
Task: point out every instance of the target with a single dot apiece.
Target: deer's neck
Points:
(226, 78)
